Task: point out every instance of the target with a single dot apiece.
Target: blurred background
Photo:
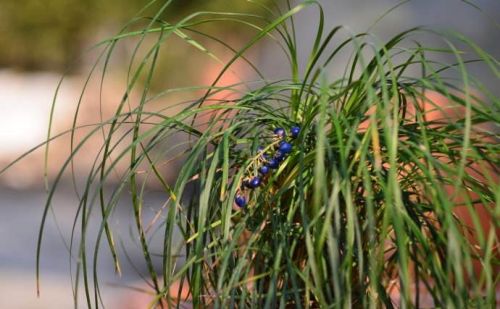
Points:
(42, 40)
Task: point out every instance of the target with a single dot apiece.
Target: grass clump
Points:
(379, 200)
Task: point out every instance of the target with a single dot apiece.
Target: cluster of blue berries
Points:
(282, 149)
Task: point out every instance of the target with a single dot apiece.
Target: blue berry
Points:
(280, 156)
(264, 169)
(285, 147)
(273, 163)
(240, 200)
(279, 132)
(294, 131)
(254, 182)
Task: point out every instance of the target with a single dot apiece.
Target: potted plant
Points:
(369, 189)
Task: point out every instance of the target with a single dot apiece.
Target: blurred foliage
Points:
(50, 34)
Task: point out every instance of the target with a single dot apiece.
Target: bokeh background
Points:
(42, 40)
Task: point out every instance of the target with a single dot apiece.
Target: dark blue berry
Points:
(240, 200)
(279, 132)
(264, 169)
(255, 182)
(294, 131)
(273, 163)
(285, 147)
(280, 156)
